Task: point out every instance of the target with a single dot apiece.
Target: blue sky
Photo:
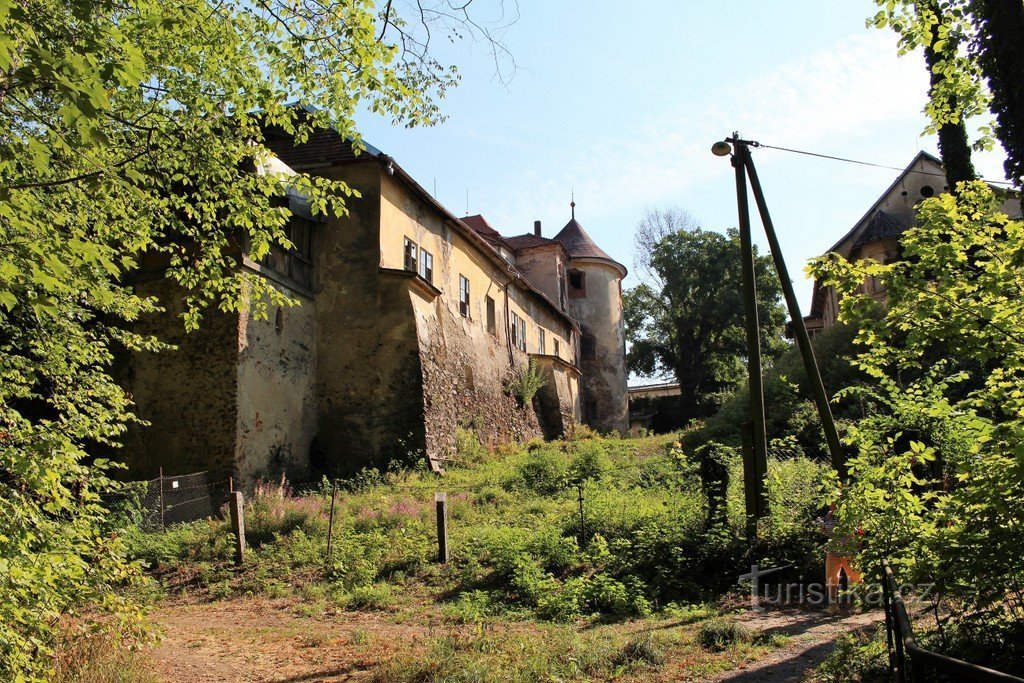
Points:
(622, 103)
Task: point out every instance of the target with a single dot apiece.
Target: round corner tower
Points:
(594, 299)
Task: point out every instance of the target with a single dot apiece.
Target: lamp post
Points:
(755, 471)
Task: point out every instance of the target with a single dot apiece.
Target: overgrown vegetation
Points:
(132, 131)
(525, 383)
(937, 478)
(518, 543)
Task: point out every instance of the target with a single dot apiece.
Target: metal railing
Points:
(908, 661)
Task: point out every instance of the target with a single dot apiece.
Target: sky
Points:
(620, 104)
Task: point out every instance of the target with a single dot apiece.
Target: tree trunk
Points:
(954, 148)
(1001, 56)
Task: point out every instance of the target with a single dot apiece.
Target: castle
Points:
(413, 322)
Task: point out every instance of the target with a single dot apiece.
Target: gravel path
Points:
(813, 636)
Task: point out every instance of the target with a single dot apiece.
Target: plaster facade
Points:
(382, 359)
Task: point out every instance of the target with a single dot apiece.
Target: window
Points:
(427, 266)
(587, 346)
(518, 326)
(556, 347)
(411, 252)
(492, 325)
(540, 339)
(577, 284)
(295, 263)
(463, 296)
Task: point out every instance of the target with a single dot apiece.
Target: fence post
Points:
(330, 522)
(162, 527)
(238, 525)
(441, 503)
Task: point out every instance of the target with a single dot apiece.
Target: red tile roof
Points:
(481, 227)
(527, 241)
(579, 245)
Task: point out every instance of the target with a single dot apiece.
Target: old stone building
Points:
(571, 269)
(412, 323)
(877, 234)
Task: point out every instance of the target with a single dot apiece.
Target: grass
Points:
(517, 540)
(532, 592)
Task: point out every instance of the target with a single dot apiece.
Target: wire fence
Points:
(167, 500)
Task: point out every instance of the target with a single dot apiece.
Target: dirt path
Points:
(265, 641)
(262, 641)
(813, 636)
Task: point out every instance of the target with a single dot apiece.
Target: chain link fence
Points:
(174, 500)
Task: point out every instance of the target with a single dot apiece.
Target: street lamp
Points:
(755, 440)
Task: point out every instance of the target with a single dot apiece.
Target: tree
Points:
(131, 128)
(975, 57)
(1000, 53)
(955, 92)
(937, 483)
(686, 319)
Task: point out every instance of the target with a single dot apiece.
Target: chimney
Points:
(536, 228)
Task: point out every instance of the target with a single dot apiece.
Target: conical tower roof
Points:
(580, 246)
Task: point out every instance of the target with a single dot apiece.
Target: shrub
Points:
(640, 650)
(544, 471)
(721, 633)
(468, 448)
(589, 462)
(856, 658)
(375, 597)
(525, 383)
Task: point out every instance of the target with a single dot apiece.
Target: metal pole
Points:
(162, 499)
(803, 340)
(441, 504)
(330, 522)
(756, 381)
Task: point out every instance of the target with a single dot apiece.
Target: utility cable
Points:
(865, 163)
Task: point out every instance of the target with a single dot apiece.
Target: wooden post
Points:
(162, 498)
(238, 525)
(441, 502)
(330, 522)
(583, 521)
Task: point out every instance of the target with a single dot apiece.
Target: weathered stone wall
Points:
(276, 392)
(558, 399)
(369, 382)
(465, 368)
(604, 375)
(188, 394)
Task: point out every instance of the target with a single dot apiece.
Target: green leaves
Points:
(938, 480)
(131, 134)
(689, 320)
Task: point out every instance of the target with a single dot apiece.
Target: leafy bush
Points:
(722, 633)
(856, 658)
(544, 471)
(589, 462)
(937, 473)
(525, 383)
(468, 448)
